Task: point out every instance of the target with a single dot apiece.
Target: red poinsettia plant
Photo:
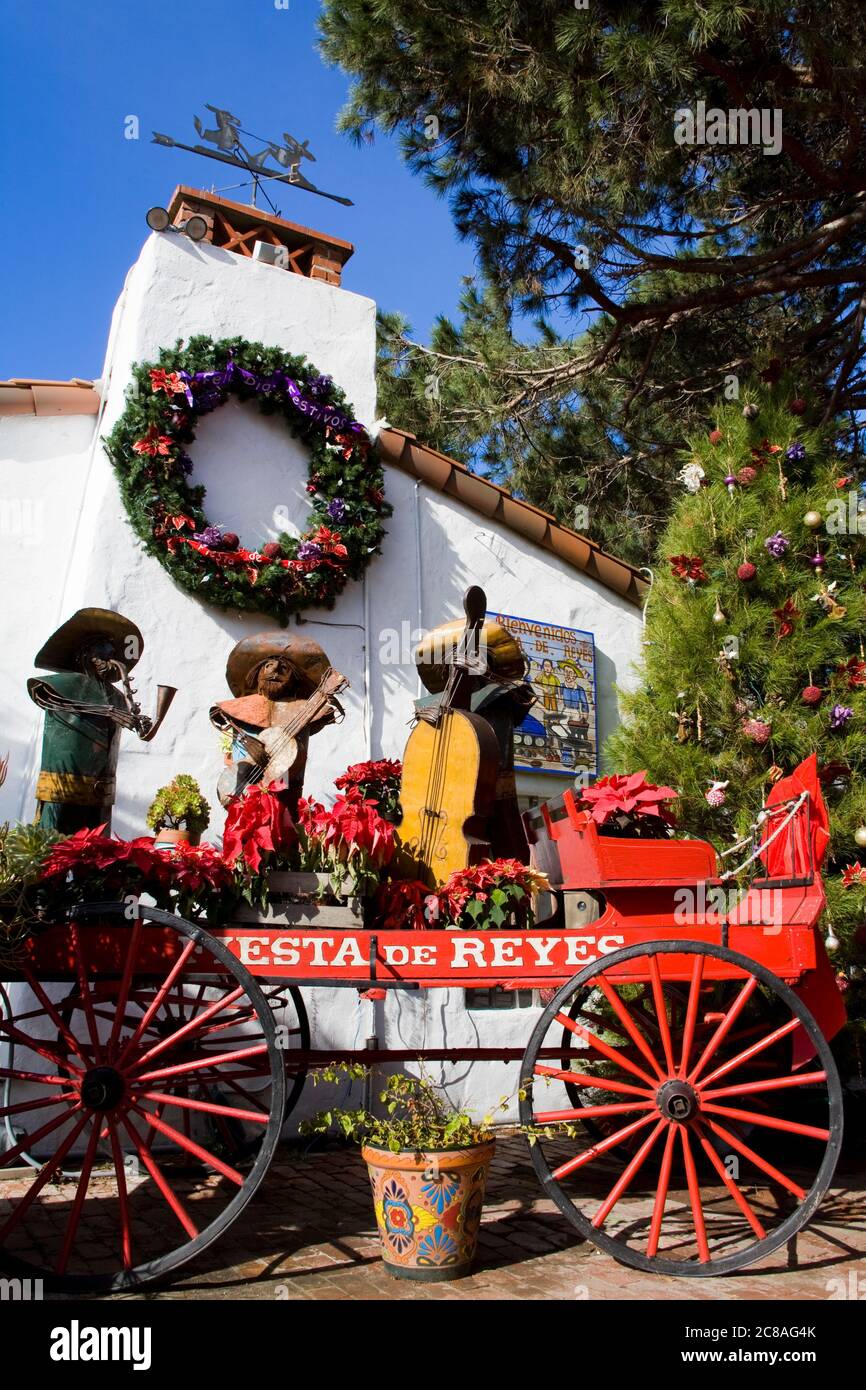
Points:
(629, 805)
(406, 904)
(494, 893)
(92, 866)
(258, 829)
(350, 841)
(377, 780)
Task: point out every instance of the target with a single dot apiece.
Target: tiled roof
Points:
(26, 396)
(403, 451)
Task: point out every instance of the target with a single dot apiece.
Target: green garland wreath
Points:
(148, 448)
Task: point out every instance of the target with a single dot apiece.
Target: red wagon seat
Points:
(590, 860)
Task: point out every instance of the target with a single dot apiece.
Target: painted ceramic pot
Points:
(428, 1208)
(166, 839)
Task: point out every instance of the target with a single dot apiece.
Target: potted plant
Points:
(428, 1169)
(497, 894)
(629, 807)
(23, 851)
(179, 812)
(378, 781)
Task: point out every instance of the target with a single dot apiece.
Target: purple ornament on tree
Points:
(796, 452)
(337, 509)
(839, 716)
(777, 545)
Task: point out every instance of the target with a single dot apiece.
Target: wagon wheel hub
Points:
(102, 1088)
(677, 1101)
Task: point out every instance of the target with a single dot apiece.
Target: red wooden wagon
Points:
(147, 1066)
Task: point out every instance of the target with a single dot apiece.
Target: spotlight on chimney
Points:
(195, 228)
(157, 219)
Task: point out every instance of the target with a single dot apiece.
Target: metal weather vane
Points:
(230, 149)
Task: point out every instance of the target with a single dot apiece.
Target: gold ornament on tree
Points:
(813, 520)
(860, 837)
(826, 600)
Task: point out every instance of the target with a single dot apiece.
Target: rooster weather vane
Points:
(230, 149)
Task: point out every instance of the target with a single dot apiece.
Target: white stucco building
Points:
(67, 544)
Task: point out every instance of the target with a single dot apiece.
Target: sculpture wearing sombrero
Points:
(284, 688)
(90, 654)
(498, 692)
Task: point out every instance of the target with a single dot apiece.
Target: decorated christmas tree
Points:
(754, 638)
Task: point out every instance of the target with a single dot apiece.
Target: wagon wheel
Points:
(228, 1137)
(121, 1178)
(724, 1141)
(596, 1013)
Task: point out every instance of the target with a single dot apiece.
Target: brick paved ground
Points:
(310, 1234)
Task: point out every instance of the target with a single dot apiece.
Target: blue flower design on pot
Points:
(439, 1189)
(470, 1216)
(397, 1217)
(437, 1247)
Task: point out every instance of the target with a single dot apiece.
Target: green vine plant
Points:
(417, 1118)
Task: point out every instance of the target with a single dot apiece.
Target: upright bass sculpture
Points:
(90, 653)
(451, 764)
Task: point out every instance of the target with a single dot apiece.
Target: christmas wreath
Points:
(149, 448)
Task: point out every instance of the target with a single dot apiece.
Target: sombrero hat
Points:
(571, 665)
(308, 659)
(60, 651)
(505, 657)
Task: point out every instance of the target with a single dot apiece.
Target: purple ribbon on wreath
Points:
(207, 390)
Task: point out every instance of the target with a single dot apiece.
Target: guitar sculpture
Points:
(450, 768)
(274, 751)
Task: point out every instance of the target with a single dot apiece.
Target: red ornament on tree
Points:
(756, 729)
(272, 550)
(746, 476)
(746, 572)
(812, 695)
(715, 436)
(798, 406)
(231, 540)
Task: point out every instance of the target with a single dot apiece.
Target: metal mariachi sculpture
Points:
(285, 689)
(84, 713)
(458, 791)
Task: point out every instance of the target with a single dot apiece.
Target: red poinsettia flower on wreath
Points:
(855, 873)
(169, 382)
(153, 443)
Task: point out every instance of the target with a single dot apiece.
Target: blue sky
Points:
(74, 191)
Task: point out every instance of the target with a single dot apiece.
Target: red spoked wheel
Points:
(708, 1150)
(139, 1114)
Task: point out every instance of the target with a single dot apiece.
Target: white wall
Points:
(250, 465)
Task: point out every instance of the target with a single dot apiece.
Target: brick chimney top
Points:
(237, 227)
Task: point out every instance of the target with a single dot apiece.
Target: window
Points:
(495, 998)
